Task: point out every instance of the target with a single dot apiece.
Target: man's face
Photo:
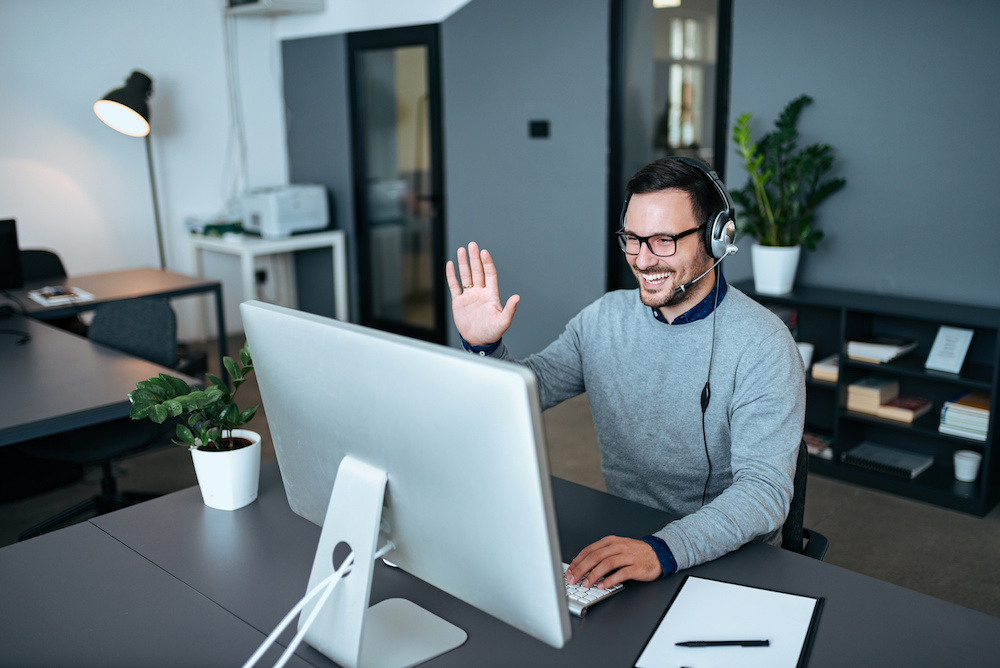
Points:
(667, 212)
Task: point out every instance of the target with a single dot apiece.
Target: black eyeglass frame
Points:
(622, 241)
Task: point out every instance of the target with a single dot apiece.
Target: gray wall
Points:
(538, 205)
(907, 91)
(319, 151)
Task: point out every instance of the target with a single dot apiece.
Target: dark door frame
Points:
(616, 55)
(427, 36)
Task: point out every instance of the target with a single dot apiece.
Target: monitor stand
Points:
(394, 633)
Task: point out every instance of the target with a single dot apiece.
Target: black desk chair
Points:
(44, 265)
(794, 536)
(144, 328)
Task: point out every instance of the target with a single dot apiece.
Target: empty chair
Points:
(39, 266)
(144, 328)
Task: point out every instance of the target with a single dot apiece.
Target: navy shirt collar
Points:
(700, 310)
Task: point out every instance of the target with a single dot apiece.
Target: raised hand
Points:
(475, 301)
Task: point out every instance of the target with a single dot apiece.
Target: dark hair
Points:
(667, 173)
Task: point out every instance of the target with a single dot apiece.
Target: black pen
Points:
(724, 643)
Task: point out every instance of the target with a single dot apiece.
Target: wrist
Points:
(483, 350)
(668, 564)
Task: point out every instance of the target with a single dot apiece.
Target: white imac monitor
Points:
(440, 452)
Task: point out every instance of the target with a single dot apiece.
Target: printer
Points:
(279, 211)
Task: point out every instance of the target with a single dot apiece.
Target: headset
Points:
(720, 228)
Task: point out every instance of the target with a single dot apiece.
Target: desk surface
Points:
(114, 286)
(58, 381)
(254, 564)
(111, 286)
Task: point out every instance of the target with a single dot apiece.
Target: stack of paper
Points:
(879, 348)
(966, 415)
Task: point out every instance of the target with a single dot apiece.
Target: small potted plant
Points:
(226, 458)
(780, 198)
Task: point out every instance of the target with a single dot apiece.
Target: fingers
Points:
(463, 267)
(476, 264)
(453, 285)
(615, 560)
(475, 270)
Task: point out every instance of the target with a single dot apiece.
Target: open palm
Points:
(479, 315)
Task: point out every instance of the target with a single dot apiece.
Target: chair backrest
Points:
(145, 328)
(792, 531)
(41, 265)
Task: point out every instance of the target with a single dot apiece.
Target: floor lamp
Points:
(126, 110)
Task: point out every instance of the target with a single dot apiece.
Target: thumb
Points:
(511, 306)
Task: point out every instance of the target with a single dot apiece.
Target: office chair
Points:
(144, 328)
(39, 265)
(794, 536)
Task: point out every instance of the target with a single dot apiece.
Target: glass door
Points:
(396, 142)
(670, 82)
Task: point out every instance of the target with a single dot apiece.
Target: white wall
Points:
(77, 186)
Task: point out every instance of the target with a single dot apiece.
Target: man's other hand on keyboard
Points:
(615, 559)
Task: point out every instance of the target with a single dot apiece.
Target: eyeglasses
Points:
(661, 245)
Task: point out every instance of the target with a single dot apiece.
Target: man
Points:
(697, 392)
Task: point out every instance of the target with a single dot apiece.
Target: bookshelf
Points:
(829, 318)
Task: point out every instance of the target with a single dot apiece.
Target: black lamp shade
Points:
(126, 109)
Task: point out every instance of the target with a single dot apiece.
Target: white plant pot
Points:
(229, 479)
(774, 268)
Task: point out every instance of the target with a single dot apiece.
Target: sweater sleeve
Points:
(765, 422)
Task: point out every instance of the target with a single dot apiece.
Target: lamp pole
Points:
(156, 205)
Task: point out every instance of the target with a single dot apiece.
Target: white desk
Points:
(248, 248)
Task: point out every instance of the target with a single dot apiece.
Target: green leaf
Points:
(158, 413)
(247, 415)
(231, 368)
(185, 434)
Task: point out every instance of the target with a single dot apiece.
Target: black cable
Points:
(706, 392)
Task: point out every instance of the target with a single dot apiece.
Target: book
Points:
(819, 446)
(827, 369)
(58, 295)
(891, 461)
(975, 403)
(879, 349)
(869, 393)
(951, 429)
(904, 408)
(966, 415)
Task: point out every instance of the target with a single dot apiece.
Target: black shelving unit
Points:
(829, 318)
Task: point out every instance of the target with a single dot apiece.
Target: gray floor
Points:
(939, 552)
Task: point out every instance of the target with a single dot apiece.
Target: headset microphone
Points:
(731, 249)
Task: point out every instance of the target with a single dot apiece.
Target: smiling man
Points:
(697, 392)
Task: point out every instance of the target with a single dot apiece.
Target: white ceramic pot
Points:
(228, 479)
(774, 268)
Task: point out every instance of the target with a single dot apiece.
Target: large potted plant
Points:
(786, 184)
(226, 458)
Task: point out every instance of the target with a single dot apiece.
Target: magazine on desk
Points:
(59, 296)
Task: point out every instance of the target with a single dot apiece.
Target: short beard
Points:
(676, 297)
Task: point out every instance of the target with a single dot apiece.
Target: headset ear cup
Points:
(719, 235)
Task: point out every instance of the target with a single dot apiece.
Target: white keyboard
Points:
(581, 598)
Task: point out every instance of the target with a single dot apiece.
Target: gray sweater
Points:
(644, 381)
